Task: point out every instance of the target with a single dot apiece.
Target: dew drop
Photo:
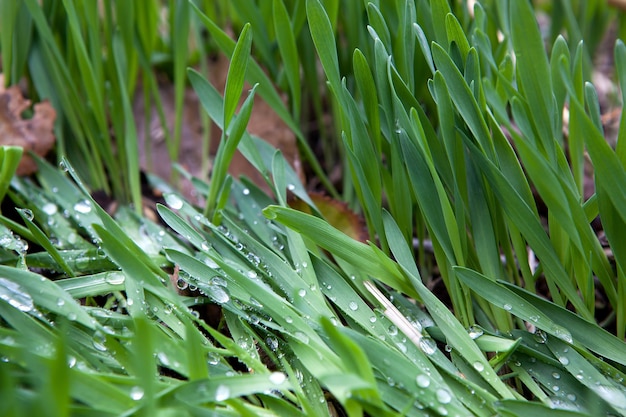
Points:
(301, 337)
(256, 303)
(60, 302)
(114, 278)
(291, 187)
(301, 292)
(219, 294)
(479, 366)
(288, 319)
(63, 166)
(162, 357)
(277, 378)
(136, 393)
(507, 307)
(475, 332)
(246, 191)
(393, 330)
(71, 361)
(28, 214)
(564, 360)
(174, 201)
(181, 284)
(272, 343)
(83, 206)
(563, 335)
(222, 393)
(353, 306)
(428, 345)
(98, 342)
(15, 295)
(373, 319)
(540, 337)
(443, 396)
(556, 375)
(423, 381)
(252, 274)
(217, 280)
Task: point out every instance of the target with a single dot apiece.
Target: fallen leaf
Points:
(34, 134)
(337, 214)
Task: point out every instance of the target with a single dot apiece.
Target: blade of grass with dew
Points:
(221, 389)
(93, 285)
(456, 335)
(503, 298)
(518, 408)
(587, 333)
(28, 290)
(139, 276)
(40, 237)
(610, 391)
(339, 244)
(97, 215)
(356, 363)
(253, 292)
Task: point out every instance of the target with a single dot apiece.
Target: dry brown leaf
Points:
(34, 134)
(337, 214)
(620, 4)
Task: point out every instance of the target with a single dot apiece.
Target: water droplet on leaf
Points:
(83, 206)
(174, 201)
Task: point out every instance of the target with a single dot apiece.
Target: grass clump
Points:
(477, 292)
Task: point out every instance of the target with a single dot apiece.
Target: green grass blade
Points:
(10, 157)
(25, 290)
(322, 34)
(236, 74)
(40, 237)
(289, 53)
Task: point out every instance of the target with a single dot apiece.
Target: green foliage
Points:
(448, 127)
